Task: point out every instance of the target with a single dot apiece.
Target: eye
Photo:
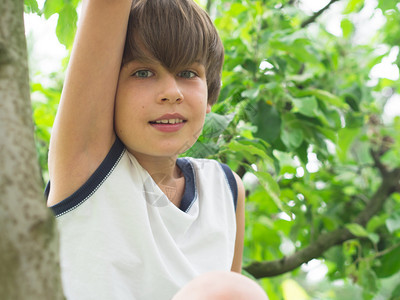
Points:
(143, 74)
(187, 74)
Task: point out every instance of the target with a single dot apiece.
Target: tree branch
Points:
(289, 263)
(376, 158)
(317, 14)
(390, 184)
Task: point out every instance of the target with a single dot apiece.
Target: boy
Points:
(135, 221)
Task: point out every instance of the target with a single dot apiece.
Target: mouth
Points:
(168, 121)
(171, 118)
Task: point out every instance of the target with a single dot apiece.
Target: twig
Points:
(378, 254)
(381, 167)
(317, 14)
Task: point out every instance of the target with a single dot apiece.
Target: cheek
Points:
(201, 97)
(128, 101)
(126, 113)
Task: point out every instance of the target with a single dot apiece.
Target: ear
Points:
(208, 109)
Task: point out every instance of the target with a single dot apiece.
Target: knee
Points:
(219, 285)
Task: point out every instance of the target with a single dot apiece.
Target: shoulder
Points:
(116, 159)
(211, 168)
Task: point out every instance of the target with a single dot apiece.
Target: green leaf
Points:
(250, 65)
(325, 96)
(246, 148)
(48, 92)
(328, 133)
(66, 25)
(202, 150)
(391, 158)
(307, 106)
(347, 27)
(260, 231)
(376, 222)
(286, 162)
(390, 264)
(393, 222)
(374, 238)
(353, 6)
(345, 140)
(369, 280)
(385, 5)
(215, 124)
(293, 290)
(299, 48)
(237, 8)
(292, 137)
(357, 230)
(43, 117)
(52, 7)
(271, 186)
(396, 293)
(250, 93)
(31, 6)
(268, 122)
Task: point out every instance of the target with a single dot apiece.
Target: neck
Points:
(157, 167)
(165, 174)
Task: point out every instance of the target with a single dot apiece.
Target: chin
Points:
(174, 147)
(170, 152)
(159, 148)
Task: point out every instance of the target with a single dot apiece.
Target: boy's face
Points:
(158, 113)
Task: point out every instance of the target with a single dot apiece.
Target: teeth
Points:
(169, 121)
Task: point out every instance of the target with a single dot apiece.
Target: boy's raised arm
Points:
(83, 130)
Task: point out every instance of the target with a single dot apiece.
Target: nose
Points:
(170, 90)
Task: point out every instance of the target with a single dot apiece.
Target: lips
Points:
(168, 122)
(169, 118)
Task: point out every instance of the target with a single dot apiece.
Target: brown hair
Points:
(176, 33)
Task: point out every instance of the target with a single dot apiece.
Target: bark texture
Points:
(29, 266)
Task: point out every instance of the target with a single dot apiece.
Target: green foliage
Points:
(67, 17)
(66, 24)
(31, 6)
(45, 103)
(301, 95)
(298, 117)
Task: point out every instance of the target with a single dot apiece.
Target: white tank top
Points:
(121, 238)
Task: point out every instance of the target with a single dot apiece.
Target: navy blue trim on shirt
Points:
(108, 165)
(189, 194)
(232, 182)
(93, 183)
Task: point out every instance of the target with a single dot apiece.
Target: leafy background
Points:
(306, 117)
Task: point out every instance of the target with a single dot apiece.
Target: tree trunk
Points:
(29, 266)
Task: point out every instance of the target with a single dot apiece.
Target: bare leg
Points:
(220, 285)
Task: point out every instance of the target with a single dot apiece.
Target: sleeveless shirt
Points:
(121, 238)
